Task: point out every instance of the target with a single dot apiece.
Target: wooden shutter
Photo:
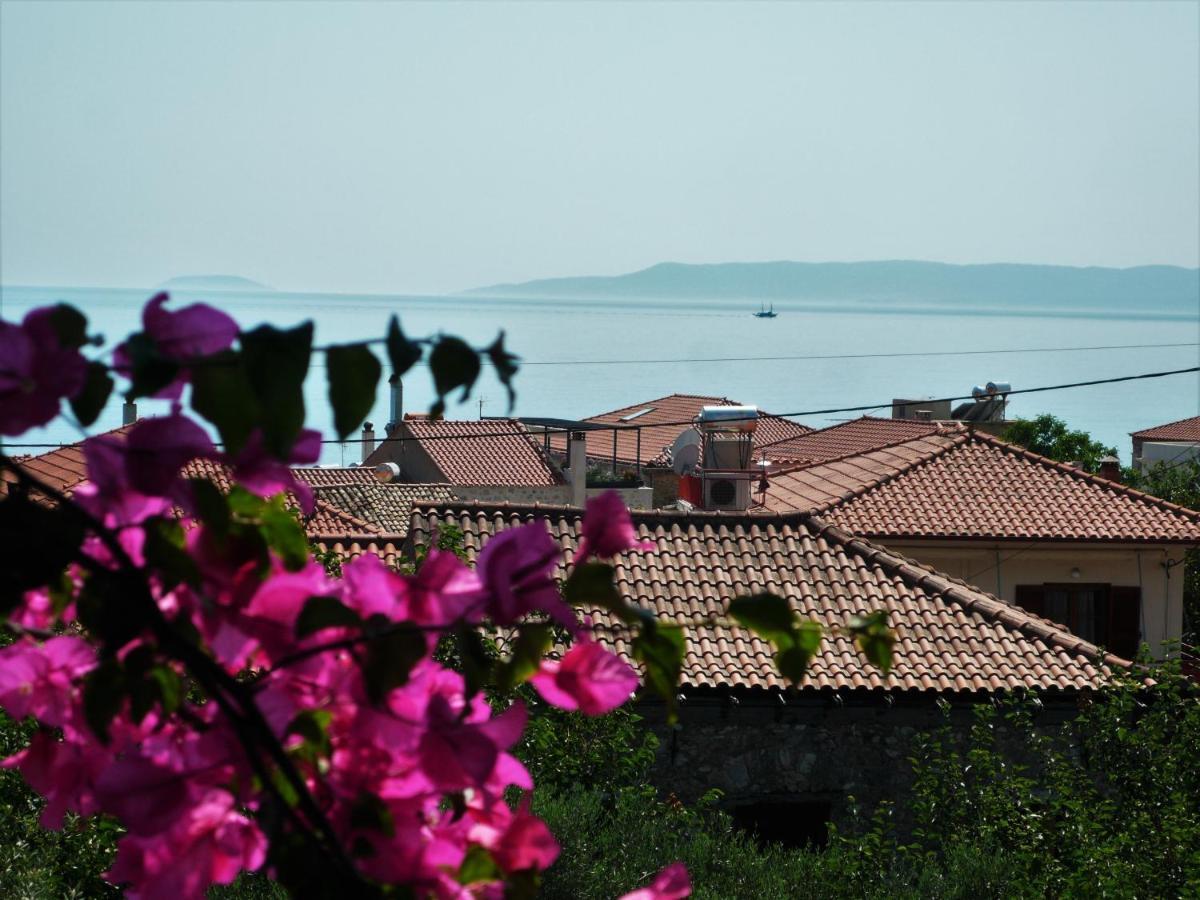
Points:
(1124, 621)
(1032, 598)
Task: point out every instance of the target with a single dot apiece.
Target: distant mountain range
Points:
(1161, 289)
(215, 283)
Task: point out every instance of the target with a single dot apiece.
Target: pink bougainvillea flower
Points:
(259, 472)
(517, 569)
(608, 528)
(42, 679)
(442, 591)
(36, 372)
(181, 336)
(371, 588)
(62, 771)
(187, 333)
(672, 883)
(589, 678)
(158, 447)
(211, 844)
(526, 844)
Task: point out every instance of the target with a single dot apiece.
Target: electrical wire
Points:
(631, 426)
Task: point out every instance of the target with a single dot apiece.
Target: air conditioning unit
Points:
(726, 493)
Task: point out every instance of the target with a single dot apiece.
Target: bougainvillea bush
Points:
(194, 675)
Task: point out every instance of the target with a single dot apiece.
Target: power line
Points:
(825, 357)
(631, 426)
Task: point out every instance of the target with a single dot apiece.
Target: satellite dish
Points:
(685, 452)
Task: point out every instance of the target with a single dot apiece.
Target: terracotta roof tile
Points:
(486, 452)
(386, 506)
(976, 486)
(657, 437)
(855, 436)
(951, 636)
(325, 475)
(63, 468)
(1183, 430)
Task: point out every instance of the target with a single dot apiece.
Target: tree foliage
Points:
(1050, 436)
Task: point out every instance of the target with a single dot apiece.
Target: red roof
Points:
(971, 485)
(486, 452)
(660, 422)
(321, 476)
(855, 436)
(1183, 430)
(950, 636)
(63, 468)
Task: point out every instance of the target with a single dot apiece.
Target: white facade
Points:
(1001, 567)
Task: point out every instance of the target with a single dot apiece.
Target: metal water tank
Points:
(728, 418)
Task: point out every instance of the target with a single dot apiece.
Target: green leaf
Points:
(170, 689)
(104, 691)
(454, 365)
(390, 658)
(221, 392)
(478, 866)
(39, 542)
(533, 640)
(277, 364)
(313, 726)
(284, 533)
(794, 656)
(592, 584)
(353, 374)
(660, 649)
(149, 371)
(474, 658)
(90, 400)
(874, 638)
(403, 354)
(369, 812)
(70, 325)
(325, 612)
(505, 365)
(210, 504)
(768, 615)
(165, 552)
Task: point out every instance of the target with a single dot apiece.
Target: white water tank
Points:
(742, 419)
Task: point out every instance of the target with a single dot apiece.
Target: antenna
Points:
(482, 400)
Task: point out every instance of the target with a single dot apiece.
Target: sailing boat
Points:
(764, 313)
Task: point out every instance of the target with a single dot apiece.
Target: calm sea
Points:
(569, 348)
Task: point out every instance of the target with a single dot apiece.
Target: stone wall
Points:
(557, 495)
(802, 753)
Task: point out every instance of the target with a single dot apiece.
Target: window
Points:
(787, 823)
(1103, 614)
(635, 415)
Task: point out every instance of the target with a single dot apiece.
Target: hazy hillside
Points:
(1157, 288)
(215, 283)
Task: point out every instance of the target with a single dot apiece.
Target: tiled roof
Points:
(855, 436)
(63, 468)
(323, 475)
(386, 547)
(970, 486)
(657, 437)
(950, 636)
(387, 506)
(1183, 430)
(486, 452)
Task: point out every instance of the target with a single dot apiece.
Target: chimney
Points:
(368, 440)
(397, 407)
(577, 467)
(1110, 468)
(129, 413)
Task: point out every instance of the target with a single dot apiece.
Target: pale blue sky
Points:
(430, 147)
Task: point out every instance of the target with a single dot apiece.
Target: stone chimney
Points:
(129, 413)
(1110, 468)
(397, 404)
(368, 440)
(577, 467)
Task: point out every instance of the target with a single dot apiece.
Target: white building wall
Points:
(999, 568)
